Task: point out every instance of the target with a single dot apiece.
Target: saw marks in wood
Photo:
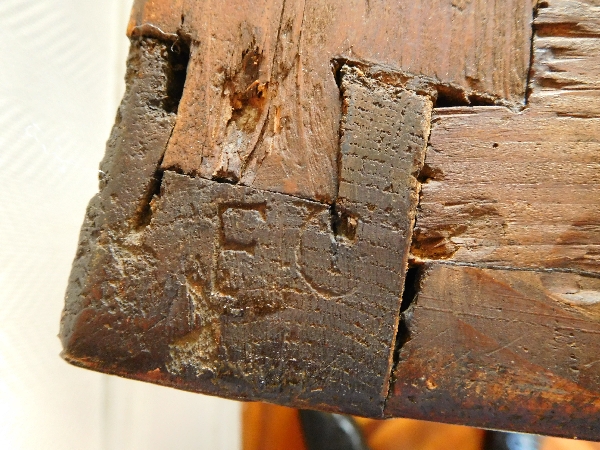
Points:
(261, 106)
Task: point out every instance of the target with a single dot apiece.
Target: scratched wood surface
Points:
(254, 227)
(261, 106)
(522, 189)
(243, 292)
(519, 350)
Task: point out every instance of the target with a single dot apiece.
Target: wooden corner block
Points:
(223, 288)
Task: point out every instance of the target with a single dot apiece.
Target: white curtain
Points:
(61, 77)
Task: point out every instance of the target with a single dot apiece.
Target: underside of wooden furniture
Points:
(372, 207)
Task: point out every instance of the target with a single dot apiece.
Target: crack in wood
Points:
(442, 93)
(343, 223)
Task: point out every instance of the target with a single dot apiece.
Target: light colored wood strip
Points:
(566, 58)
(512, 189)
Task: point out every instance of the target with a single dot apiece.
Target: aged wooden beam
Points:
(254, 228)
(505, 326)
(244, 292)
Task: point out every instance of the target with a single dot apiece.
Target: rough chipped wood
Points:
(261, 105)
(248, 293)
(127, 184)
(486, 357)
(522, 189)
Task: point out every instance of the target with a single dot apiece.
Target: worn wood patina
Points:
(367, 207)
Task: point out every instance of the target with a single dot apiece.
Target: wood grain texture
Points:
(261, 105)
(515, 349)
(519, 190)
(227, 289)
(511, 190)
(522, 189)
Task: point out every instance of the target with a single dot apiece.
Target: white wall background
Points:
(61, 77)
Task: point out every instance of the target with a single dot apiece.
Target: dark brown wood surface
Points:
(515, 348)
(254, 229)
(258, 295)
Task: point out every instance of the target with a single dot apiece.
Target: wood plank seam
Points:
(442, 95)
(566, 270)
(343, 223)
(297, 85)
